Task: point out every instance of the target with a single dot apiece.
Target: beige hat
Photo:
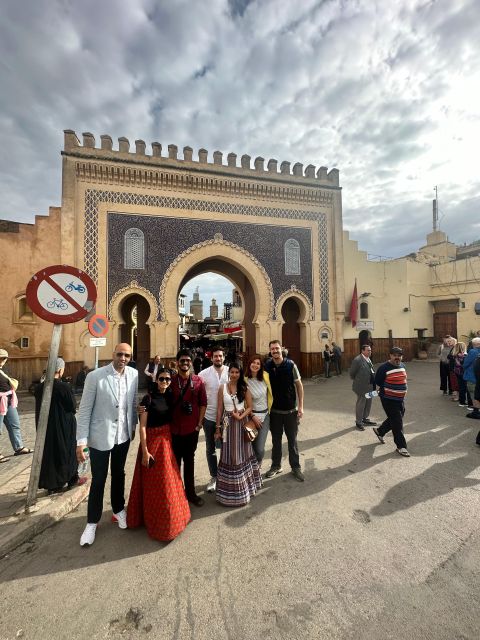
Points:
(3, 353)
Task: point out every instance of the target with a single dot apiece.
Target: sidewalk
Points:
(16, 526)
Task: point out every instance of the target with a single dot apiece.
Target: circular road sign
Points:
(98, 325)
(61, 294)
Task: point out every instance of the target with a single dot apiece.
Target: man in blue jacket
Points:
(469, 376)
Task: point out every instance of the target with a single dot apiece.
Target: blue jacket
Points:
(468, 373)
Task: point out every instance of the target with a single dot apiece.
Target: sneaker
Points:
(475, 415)
(196, 500)
(469, 408)
(360, 427)
(298, 475)
(403, 452)
(461, 405)
(121, 518)
(369, 423)
(381, 438)
(273, 471)
(212, 485)
(88, 536)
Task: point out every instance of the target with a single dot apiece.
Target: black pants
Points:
(99, 466)
(184, 448)
(280, 422)
(394, 422)
(445, 377)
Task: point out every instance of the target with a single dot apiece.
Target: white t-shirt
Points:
(212, 381)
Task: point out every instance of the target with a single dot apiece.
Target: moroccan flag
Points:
(354, 306)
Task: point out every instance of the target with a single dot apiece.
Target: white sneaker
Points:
(88, 536)
(403, 452)
(121, 518)
(212, 485)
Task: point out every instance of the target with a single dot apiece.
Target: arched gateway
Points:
(142, 226)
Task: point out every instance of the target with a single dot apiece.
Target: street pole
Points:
(43, 418)
(96, 357)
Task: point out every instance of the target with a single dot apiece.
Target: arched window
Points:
(134, 251)
(324, 310)
(363, 310)
(292, 258)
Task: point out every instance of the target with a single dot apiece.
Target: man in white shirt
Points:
(106, 422)
(212, 378)
(151, 373)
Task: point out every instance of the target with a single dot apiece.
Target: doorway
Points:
(291, 329)
(135, 330)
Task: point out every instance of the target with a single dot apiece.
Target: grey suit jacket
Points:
(361, 374)
(97, 418)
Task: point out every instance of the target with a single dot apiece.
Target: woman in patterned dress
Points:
(238, 476)
(157, 497)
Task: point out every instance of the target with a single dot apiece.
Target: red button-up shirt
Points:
(183, 424)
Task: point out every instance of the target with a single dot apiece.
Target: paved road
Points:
(370, 546)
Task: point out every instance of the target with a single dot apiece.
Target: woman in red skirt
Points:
(157, 498)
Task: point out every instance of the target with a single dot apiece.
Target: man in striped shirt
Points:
(391, 382)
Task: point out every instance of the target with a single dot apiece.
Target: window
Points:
(292, 258)
(24, 343)
(134, 252)
(324, 311)
(363, 310)
(23, 313)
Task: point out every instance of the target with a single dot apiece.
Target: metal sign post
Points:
(43, 418)
(59, 294)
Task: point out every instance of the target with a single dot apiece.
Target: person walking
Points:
(238, 476)
(59, 469)
(336, 358)
(363, 375)
(106, 422)
(287, 409)
(157, 497)
(391, 381)
(212, 377)
(188, 411)
(8, 410)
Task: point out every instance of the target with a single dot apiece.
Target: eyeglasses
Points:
(185, 361)
(127, 355)
(162, 379)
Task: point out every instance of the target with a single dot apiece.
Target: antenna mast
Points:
(435, 209)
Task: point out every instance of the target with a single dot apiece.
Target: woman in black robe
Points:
(59, 468)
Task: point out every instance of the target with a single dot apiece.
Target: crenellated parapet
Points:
(87, 148)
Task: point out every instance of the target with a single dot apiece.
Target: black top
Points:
(4, 383)
(158, 409)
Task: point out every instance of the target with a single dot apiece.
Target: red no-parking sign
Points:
(98, 325)
(61, 294)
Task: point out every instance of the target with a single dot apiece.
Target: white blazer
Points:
(97, 418)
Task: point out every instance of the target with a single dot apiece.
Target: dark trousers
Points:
(99, 466)
(184, 448)
(464, 396)
(288, 423)
(394, 422)
(445, 377)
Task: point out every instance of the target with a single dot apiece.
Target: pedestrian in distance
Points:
(326, 361)
(157, 497)
(151, 373)
(470, 377)
(336, 358)
(106, 422)
(362, 374)
(391, 382)
(286, 411)
(8, 410)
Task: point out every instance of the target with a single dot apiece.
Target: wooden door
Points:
(444, 324)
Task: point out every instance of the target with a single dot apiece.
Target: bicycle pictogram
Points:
(58, 303)
(75, 287)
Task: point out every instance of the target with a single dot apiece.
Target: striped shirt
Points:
(392, 381)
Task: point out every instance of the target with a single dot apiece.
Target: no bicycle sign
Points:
(61, 294)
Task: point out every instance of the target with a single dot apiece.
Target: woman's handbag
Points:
(250, 431)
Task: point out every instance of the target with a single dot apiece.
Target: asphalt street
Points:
(372, 545)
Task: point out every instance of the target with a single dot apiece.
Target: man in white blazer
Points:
(106, 423)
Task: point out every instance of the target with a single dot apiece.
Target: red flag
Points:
(354, 306)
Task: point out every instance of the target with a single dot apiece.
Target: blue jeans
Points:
(209, 429)
(12, 422)
(259, 443)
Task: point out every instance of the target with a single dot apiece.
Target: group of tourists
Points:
(236, 410)
(332, 356)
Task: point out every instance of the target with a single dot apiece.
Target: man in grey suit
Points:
(363, 375)
(106, 422)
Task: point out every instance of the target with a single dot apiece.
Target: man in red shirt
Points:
(189, 405)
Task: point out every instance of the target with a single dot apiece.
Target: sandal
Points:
(23, 451)
(3, 458)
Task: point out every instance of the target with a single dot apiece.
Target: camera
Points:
(187, 408)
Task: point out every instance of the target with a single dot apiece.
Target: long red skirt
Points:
(157, 497)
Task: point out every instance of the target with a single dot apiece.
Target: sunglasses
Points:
(185, 361)
(162, 379)
(127, 355)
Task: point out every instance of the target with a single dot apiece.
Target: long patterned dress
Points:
(238, 476)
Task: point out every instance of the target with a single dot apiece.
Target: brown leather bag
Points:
(250, 431)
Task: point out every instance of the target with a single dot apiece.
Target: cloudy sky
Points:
(387, 92)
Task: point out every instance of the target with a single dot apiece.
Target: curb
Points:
(24, 526)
